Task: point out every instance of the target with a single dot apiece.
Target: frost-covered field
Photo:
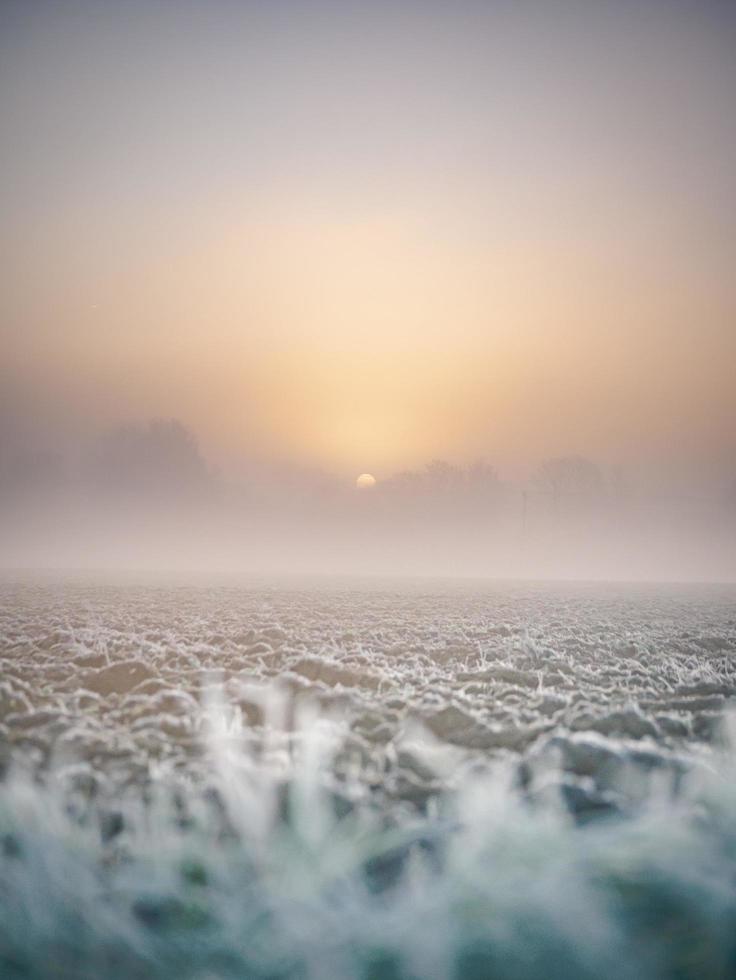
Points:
(419, 780)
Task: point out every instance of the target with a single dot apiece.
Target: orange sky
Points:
(362, 235)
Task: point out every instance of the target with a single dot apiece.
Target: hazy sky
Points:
(361, 235)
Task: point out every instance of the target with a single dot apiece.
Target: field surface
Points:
(417, 780)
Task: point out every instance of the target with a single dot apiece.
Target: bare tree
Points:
(573, 479)
(158, 459)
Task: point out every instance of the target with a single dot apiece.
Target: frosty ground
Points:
(377, 779)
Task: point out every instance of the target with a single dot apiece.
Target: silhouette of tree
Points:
(444, 489)
(569, 475)
(160, 458)
(572, 485)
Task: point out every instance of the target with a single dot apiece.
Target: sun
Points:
(365, 481)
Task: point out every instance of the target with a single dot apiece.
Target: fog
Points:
(145, 497)
(444, 244)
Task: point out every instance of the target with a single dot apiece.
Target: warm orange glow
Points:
(489, 268)
(365, 481)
